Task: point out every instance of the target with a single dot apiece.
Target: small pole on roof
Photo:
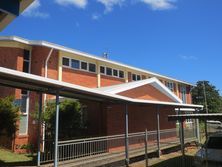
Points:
(105, 55)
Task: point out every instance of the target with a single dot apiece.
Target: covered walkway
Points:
(16, 79)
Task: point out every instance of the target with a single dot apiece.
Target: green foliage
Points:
(214, 100)
(8, 116)
(71, 123)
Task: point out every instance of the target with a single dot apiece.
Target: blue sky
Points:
(177, 38)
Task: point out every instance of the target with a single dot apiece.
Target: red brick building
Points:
(100, 74)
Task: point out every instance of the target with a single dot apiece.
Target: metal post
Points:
(182, 142)
(56, 130)
(146, 147)
(197, 130)
(126, 136)
(39, 127)
(158, 131)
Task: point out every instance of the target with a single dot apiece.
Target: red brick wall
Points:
(108, 81)
(39, 56)
(141, 117)
(79, 77)
(146, 92)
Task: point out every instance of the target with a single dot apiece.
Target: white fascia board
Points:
(161, 87)
(186, 109)
(66, 49)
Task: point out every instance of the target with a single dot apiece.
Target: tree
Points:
(8, 116)
(213, 98)
(71, 123)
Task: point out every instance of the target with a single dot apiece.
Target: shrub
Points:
(8, 116)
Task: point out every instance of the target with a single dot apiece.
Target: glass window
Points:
(75, 64)
(26, 66)
(138, 77)
(84, 65)
(183, 93)
(108, 71)
(65, 61)
(102, 70)
(170, 85)
(23, 124)
(92, 67)
(121, 74)
(134, 77)
(115, 72)
(26, 55)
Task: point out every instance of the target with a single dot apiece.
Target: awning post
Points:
(56, 130)
(126, 136)
(158, 130)
(39, 127)
(182, 140)
(198, 130)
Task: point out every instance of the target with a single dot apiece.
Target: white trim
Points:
(62, 48)
(9, 73)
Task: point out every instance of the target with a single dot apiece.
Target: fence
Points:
(110, 145)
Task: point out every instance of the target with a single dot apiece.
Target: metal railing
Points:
(107, 145)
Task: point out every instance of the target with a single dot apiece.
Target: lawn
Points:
(8, 158)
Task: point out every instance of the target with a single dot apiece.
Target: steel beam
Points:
(158, 130)
(126, 136)
(39, 127)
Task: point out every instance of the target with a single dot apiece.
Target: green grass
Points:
(8, 158)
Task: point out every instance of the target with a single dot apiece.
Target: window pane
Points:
(138, 77)
(115, 72)
(26, 66)
(121, 74)
(23, 124)
(108, 71)
(92, 67)
(65, 61)
(134, 77)
(102, 69)
(84, 65)
(75, 63)
(24, 104)
(26, 55)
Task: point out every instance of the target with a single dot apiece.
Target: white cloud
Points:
(33, 10)
(188, 57)
(95, 16)
(160, 4)
(77, 3)
(109, 4)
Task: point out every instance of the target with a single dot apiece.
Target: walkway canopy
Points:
(21, 80)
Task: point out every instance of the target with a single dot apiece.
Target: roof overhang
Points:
(182, 117)
(17, 79)
(10, 9)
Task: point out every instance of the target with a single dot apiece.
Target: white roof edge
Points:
(48, 81)
(63, 48)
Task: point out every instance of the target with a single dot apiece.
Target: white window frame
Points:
(27, 100)
(170, 85)
(183, 92)
(123, 74)
(117, 73)
(87, 69)
(104, 70)
(69, 61)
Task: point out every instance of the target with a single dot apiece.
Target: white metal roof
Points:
(115, 89)
(66, 49)
(32, 82)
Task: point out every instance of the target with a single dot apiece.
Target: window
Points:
(26, 61)
(183, 93)
(170, 85)
(102, 70)
(75, 64)
(92, 67)
(108, 71)
(23, 125)
(134, 77)
(84, 65)
(115, 72)
(65, 61)
(138, 77)
(121, 74)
